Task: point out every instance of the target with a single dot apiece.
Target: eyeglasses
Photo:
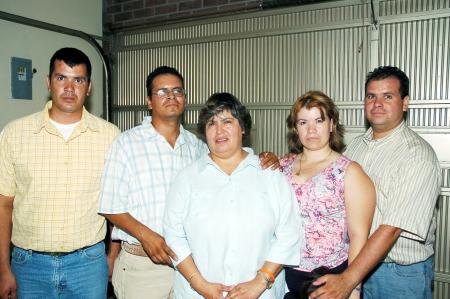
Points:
(164, 93)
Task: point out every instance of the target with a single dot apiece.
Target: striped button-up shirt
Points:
(406, 174)
(139, 169)
(55, 182)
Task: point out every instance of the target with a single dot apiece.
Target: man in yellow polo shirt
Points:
(50, 168)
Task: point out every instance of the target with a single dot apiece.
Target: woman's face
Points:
(313, 132)
(224, 134)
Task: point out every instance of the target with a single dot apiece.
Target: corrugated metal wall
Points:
(268, 59)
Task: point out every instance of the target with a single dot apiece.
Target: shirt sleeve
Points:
(115, 181)
(7, 172)
(416, 193)
(285, 249)
(175, 213)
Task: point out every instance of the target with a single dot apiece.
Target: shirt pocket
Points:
(204, 213)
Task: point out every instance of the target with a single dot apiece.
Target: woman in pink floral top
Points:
(335, 197)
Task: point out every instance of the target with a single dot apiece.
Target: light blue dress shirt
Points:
(232, 224)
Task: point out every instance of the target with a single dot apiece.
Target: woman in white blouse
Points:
(231, 224)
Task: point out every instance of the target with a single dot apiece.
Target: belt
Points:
(53, 253)
(58, 253)
(134, 249)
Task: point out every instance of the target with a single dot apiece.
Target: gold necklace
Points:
(300, 161)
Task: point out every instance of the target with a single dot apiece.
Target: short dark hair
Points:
(384, 72)
(327, 107)
(71, 57)
(161, 70)
(223, 101)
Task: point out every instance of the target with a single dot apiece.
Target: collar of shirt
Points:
(149, 132)
(251, 160)
(368, 136)
(43, 121)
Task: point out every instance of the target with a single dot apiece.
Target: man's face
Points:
(384, 106)
(68, 88)
(171, 105)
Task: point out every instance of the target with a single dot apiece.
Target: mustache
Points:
(68, 93)
(170, 101)
(377, 110)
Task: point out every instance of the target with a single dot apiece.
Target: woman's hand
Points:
(248, 290)
(207, 289)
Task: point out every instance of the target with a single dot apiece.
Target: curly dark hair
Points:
(223, 101)
(384, 72)
(327, 107)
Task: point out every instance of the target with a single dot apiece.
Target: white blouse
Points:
(232, 224)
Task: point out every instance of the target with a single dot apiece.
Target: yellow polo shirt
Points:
(55, 183)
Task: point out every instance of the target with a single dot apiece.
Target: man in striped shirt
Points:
(406, 174)
(140, 166)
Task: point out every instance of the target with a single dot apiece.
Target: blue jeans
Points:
(80, 274)
(396, 281)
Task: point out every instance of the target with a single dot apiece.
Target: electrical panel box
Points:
(21, 78)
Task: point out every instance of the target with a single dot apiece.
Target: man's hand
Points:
(113, 252)
(268, 159)
(248, 290)
(157, 249)
(153, 244)
(7, 285)
(375, 249)
(335, 287)
(7, 281)
(111, 259)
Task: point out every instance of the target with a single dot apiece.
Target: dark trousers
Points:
(296, 280)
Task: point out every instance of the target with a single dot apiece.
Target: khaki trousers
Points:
(138, 277)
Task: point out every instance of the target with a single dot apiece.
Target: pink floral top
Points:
(322, 207)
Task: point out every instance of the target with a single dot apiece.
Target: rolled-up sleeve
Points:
(285, 249)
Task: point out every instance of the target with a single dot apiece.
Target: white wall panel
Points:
(268, 59)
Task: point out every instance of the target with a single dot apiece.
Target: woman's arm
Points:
(360, 200)
(255, 287)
